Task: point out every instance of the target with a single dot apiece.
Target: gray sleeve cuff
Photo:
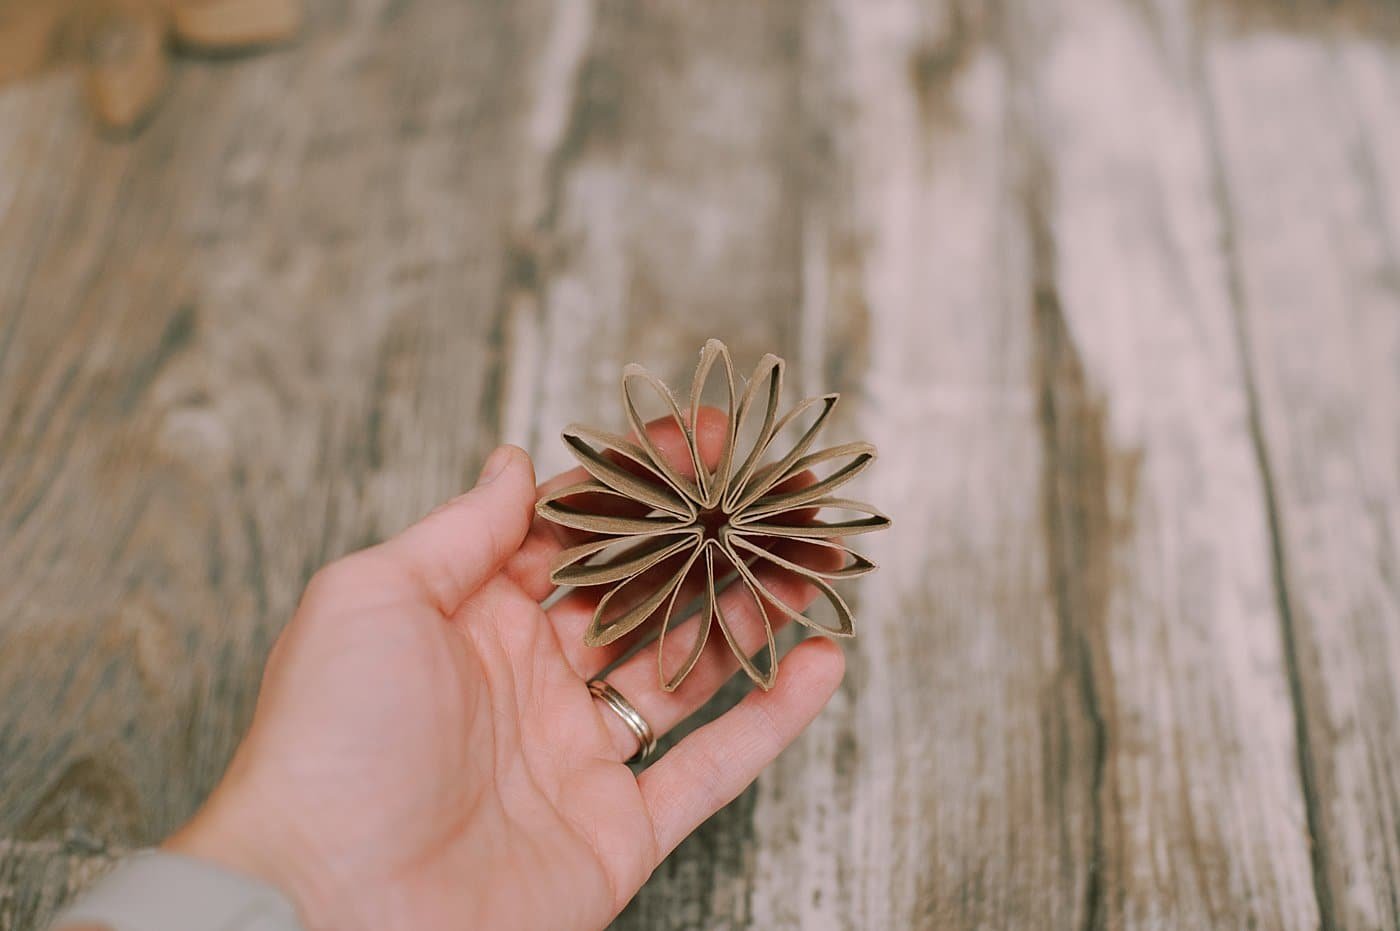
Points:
(158, 891)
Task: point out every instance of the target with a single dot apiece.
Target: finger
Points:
(453, 550)
(710, 767)
(638, 677)
(529, 568)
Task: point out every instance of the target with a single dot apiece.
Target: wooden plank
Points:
(670, 214)
(1201, 814)
(1143, 509)
(1307, 135)
(951, 785)
(252, 339)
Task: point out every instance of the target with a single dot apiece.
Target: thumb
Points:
(455, 549)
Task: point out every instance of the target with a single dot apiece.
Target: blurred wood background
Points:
(1114, 285)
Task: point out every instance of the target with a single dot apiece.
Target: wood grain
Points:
(1112, 285)
(1316, 268)
(672, 215)
(951, 786)
(121, 46)
(1186, 656)
(218, 372)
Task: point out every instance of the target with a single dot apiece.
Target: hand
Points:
(425, 753)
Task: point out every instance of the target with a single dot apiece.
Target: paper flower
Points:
(650, 521)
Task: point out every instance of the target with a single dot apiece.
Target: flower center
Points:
(710, 522)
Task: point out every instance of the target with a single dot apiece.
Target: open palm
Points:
(425, 751)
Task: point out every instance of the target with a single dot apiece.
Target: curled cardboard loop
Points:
(704, 619)
(602, 632)
(845, 623)
(664, 532)
(712, 483)
(552, 507)
(632, 373)
(852, 564)
(768, 476)
(660, 495)
(873, 521)
(779, 503)
(821, 457)
(567, 568)
(768, 378)
(752, 665)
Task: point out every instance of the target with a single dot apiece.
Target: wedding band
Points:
(630, 716)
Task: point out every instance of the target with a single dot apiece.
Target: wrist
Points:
(161, 890)
(237, 832)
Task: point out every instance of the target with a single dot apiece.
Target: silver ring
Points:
(646, 738)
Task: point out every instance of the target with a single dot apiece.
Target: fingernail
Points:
(495, 464)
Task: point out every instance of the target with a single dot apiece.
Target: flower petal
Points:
(862, 455)
(569, 568)
(704, 620)
(764, 679)
(821, 529)
(859, 565)
(601, 633)
(767, 376)
(551, 507)
(754, 488)
(632, 373)
(845, 622)
(659, 494)
(713, 485)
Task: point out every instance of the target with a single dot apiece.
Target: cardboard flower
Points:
(671, 527)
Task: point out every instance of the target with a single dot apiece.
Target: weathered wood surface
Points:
(1114, 285)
